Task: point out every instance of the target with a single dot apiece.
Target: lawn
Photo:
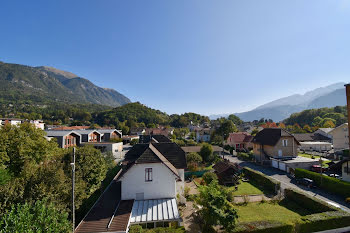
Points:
(324, 161)
(245, 188)
(285, 212)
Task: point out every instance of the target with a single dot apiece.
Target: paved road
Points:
(286, 182)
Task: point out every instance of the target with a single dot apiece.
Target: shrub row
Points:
(264, 227)
(323, 221)
(307, 201)
(260, 178)
(245, 156)
(332, 185)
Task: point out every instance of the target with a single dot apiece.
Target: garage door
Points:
(282, 166)
(274, 163)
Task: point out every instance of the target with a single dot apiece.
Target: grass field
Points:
(324, 162)
(246, 188)
(286, 212)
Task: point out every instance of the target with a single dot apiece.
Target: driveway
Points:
(286, 183)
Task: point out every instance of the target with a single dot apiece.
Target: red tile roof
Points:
(240, 137)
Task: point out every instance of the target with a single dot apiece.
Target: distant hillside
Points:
(42, 85)
(329, 96)
(317, 117)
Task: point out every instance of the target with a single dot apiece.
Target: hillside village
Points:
(169, 177)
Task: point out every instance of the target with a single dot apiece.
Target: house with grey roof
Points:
(108, 134)
(89, 135)
(65, 139)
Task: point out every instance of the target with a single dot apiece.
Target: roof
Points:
(87, 131)
(109, 131)
(304, 137)
(109, 210)
(315, 143)
(240, 137)
(154, 210)
(197, 149)
(59, 133)
(222, 166)
(270, 136)
(158, 138)
(170, 154)
(326, 130)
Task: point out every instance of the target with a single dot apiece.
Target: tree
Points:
(206, 152)
(317, 121)
(307, 128)
(254, 132)
(225, 129)
(32, 218)
(235, 119)
(216, 209)
(193, 157)
(328, 124)
(281, 125)
(208, 177)
(90, 167)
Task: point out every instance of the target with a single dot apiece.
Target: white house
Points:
(12, 121)
(340, 137)
(203, 135)
(144, 192)
(153, 171)
(38, 124)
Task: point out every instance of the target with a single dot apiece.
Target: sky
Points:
(202, 56)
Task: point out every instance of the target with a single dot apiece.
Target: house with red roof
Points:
(240, 141)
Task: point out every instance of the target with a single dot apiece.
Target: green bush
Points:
(311, 203)
(323, 221)
(209, 177)
(264, 227)
(332, 185)
(245, 156)
(260, 178)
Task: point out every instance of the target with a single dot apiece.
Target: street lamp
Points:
(73, 184)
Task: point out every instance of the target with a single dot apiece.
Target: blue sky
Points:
(185, 55)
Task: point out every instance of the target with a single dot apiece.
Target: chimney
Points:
(347, 87)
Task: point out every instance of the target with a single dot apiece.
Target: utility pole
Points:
(347, 90)
(321, 170)
(73, 186)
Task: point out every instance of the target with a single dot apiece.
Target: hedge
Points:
(323, 221)
(260, 178)
(197, 174)
(245, 156)
(307, 201)
(332, 185)
(264, 227)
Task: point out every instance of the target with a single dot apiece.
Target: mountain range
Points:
(278, 110)
(43, 84)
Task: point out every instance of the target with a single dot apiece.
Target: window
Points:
(148, 174)
(285, 142)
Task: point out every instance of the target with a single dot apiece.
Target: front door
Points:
(279, 153)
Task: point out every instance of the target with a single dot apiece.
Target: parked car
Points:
(317, 168)
(334, 175)
(305, 181)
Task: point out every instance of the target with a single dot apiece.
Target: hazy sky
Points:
(216, 56)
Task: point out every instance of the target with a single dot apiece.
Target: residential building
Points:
(65, 139)
(240, 141)
(11, 121)
(128, 138)
(314, 142)
(274, 143)
(325, 132)
(116, 148)
(108, 134)
(143, 192)
(159, 131)
(89, 135)
(137, 131)
(38, 124)
(340, 137)
(203, 135)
